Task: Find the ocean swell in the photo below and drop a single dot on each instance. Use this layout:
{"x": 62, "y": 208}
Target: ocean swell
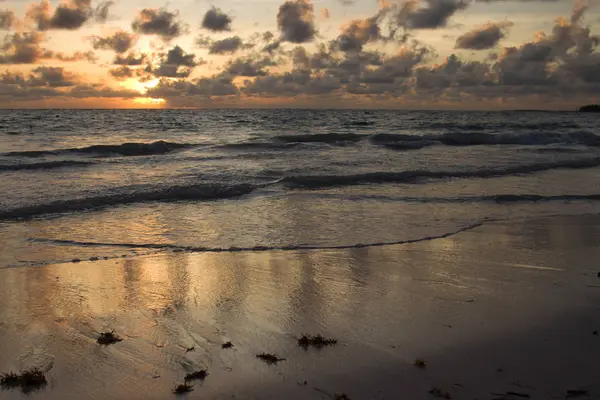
{"x": 43, "y": 165}
{"x": 488, "y": 139}
{"x": 124, "y": 149}
{"x": 323, "y": 181}
{"x": 174, "y": 193}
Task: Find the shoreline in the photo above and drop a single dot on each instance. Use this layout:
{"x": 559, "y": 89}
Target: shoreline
{"x": 520, "y": 296}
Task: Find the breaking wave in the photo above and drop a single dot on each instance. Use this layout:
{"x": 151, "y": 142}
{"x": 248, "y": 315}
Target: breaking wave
{"x": 124, "y": 149}
{"x": 174, "y": 193}
{"x": 44, "y": 165}
{"x": 323, "y": 181}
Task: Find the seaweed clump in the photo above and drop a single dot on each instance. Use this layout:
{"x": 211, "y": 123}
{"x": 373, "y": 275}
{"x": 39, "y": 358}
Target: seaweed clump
{"x": 436, "y": 392}
{"x": 183, "y": 388}
{"x": 28, "y": 381}
{"x": 196, "y": 375}
{"x": 107, "y": 338}
{"x": 269, "y": 358}
{"x": 227, "y": 345}
{"x": 318, "y": 341}
{"x": 420, "y": 363}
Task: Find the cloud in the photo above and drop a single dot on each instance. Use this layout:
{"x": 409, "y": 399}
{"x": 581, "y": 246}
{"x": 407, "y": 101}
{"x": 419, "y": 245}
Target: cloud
{"x": 160, "y": 22}
{"x": 7, "y": 19}
{"x": 125, "y": 72}
{"x": 358, "y": 33}
{"x": 218, "y": 85}
{"x": 296, "y": 21}
{"x": 102, "y": 11}
{"x": 428, "y": 14}
{"x": 130, "y": 59}
{"x": 176, "y": 63}
{"x": 22, "y": 48}
{"x": 26, "y": 48}
{"x": 216, "y": 20}
{"x": 69, "y": 15}
{"x": 52, "y": 82}
{"x": 227, "y": 46}
{"x": 119, "y": 42}
{"x": 483, "y": 37}
{"x": 249, "y": 66}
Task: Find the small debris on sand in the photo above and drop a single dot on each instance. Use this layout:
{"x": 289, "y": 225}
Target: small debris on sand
{"x": 190, "y": 349}
{"x": 420, "y": 363}
{"x": 318, "y": 341}
{"x": 107, "y": 338}
{"x": 340, "y": 396}
{"x": 269, "y": 358}
{"x": 94, "y": 259}
{"x": 76, "y": 260}
{"x": 595, "y": 333}
{"x": 196, "y": 375}
{"x": 436, "y": 392}
{"x": 28, "y": 381}
{"x": 512, "y": 395}
{"x": 227, "y": 345}
{"x": 571, "y": 394}
{"x": 181, "y": 389}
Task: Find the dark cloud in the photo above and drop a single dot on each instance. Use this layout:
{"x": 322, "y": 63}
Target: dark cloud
{"x": 160, "y": 22}
{"x": 428, "y": 14}
{"x": 125, "y": 72}
{"x": 69, "y": 15}
{"x": 296, "y": 21}
{"x": 292, "y": 84}
{"x": 52, "y": 82}
{"x": 22, "y": 48}
{"x": 27, "y": 48}
{"x": 176, "y": 63}
{"x": 88, "y": 56}
{"x": 119, "y": 42}
{"x": 358, "y": 33}
{"x": 216, "y": 20}
{"x": 483, "y": 37}
{"x": 226, "y": 46}
{"x": 130, "y": 59}
{"x": 103, "y": 10}
{"x": 7, "y": 19}
{"x": 219, "y": 85}
{"x": 249, "y": 66}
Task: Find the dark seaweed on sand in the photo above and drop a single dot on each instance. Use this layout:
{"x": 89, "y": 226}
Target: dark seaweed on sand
{"x": 318, "y": 341}
{"x": 227, "y": 345}
{"x": 196, "y": 375}
{"x": 420, "y": 363}
{"x": 107, "y": 338}
{"x": 181, "y": 389}
{"x": 437, "y": 392}
{"x": 340, "y": 396}
{"x": 269, "y": 358}
{"x": 571, "y": 394}
{"x": 28, "y": 381}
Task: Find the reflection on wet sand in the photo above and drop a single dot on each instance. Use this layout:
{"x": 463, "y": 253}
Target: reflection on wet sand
{"x": 459, "y": 299}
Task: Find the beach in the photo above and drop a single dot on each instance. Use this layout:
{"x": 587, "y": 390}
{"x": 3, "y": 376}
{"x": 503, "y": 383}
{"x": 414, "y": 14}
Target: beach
{"x": 505, "y": 310}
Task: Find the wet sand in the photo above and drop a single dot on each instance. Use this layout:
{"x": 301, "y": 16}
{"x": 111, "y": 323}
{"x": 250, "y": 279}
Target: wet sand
{"x": 506, "y": 309}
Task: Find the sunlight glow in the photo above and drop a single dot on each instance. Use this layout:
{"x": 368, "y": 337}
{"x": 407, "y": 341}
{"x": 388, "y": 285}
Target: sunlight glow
{"x": 142, "y": 87}
{"x": 148, "y": 100}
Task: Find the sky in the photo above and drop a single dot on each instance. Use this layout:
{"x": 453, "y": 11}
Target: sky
{"x": 399, "y": 54}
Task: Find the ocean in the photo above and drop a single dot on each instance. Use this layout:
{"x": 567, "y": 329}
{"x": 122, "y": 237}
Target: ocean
{"x": 95, "y": 184}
